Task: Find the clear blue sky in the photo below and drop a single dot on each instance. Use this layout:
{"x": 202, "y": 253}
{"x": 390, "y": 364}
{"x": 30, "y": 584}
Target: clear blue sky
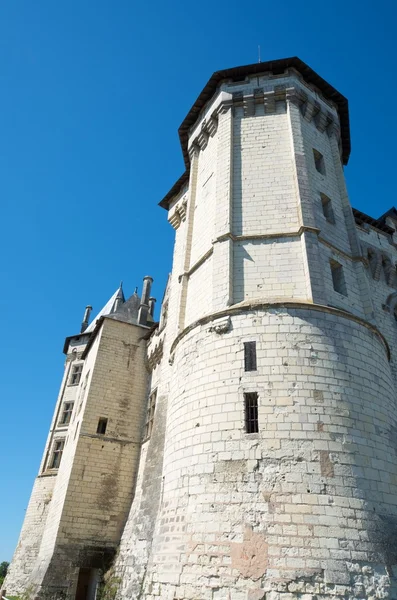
{"x": 91, "y": 95}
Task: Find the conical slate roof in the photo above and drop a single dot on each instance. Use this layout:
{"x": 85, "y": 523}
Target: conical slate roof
{"x": 109, "y": 307}
{"x": 128, "y": 311}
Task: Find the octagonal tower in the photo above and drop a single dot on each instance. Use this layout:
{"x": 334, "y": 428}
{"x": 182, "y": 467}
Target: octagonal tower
{"x": 270, "y": 470}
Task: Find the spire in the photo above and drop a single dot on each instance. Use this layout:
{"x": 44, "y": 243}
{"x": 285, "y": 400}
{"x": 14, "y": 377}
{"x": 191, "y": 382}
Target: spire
{"x": 119, "y": 298}
{"x": 114, "y": 303}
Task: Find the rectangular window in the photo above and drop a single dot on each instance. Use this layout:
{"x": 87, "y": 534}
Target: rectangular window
{"x": 327, "y": 208}
{"x": 76, "y": 374}
{"x": 251, "y": 412}
{"x": 102, "y": 425}
{"x": 249, "y": 356}
{"x": 151, "y": 408}
{"x": 66, "y": 413}
{"x": 56, "y": 456}
{"x": 338, "y": 277}
{"x": 319, "y": 161}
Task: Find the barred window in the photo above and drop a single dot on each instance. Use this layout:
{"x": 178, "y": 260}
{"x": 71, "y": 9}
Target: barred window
{"x": 56, "y": 456}
{"x": 76, "y": 374}
{"x": 249, "y": 356}
{"x": 151, "y": 408}
{"x": 66, "y": 413}
{"x": 251, "y": 412}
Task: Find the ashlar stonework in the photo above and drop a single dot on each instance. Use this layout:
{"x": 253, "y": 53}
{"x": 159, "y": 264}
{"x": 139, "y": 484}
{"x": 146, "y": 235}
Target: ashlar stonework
{"x": 244, "y": 447}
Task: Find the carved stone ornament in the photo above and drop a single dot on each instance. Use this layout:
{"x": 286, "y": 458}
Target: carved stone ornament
{"x": 220, "y": 325}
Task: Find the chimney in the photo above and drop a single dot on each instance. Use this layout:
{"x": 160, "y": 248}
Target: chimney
{"x": 86, "y": 318}
{"x": 144, "y": 306}
{"x": 152, "y": 303}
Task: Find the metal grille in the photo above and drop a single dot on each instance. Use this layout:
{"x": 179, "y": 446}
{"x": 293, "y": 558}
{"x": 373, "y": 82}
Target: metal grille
{"x": 251, "y": 412}
{"x": 249, "y": 356}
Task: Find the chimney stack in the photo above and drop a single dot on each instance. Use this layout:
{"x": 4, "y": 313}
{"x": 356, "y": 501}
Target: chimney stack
{"x": 86, "y": 318}
{"x": 144, "y": 306}
{"x": 152, "y": 303}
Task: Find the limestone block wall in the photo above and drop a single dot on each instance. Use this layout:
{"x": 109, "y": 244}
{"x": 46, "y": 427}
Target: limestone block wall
{"x": 378, "y": 247}
{"x": 26, "y": 552}
{"x": 307, "y": 505}
{"x": 41, "y": 501}
{"x": 96, "y": 479}
{"x": 251, "y": 222}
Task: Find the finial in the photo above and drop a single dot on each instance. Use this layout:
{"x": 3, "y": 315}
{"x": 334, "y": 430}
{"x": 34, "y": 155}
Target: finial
{"x": 136, "y": 290}
{"x": 259, "y": 54}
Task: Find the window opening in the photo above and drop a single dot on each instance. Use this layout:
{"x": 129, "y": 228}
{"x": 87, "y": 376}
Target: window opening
{"x": 57, "y": 454}
{"x": 319, "y": 161}
{"x": 76, "y": 374}
{"x": 249, "y": 356}
{"x": 251, "y": 412}
{"x": 67, "y": 413}
{"x": 151, "y": 407}
{"x": 338, "y": 278}
{"x": 102, "y": 425}
{"x": 327, "y": 208}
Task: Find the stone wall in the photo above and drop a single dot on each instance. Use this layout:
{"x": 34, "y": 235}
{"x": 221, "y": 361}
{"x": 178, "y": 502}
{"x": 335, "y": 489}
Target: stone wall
{"x": 305, "y": 505}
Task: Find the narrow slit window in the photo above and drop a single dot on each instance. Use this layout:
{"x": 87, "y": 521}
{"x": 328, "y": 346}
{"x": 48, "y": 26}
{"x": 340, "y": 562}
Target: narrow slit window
{"x": 151, "y": 408}
{"x": 76, "y": 374}
{"x": 251, "y": 412}
{"x": 66, "y": 413}
{"x": 319, "y": 161}
{"x": 102, "y": 425}
{"x": 56, "y": 456}
{"x": 327, "y": 208}
{"x": 338, "y": 278}
{"x": 249, "y": 356}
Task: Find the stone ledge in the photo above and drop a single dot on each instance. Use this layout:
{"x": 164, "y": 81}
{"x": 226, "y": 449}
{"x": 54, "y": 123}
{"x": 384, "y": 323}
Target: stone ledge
{"x": 243, "y": 307}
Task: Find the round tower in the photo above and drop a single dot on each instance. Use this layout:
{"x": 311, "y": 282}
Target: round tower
{"x": 279, "y": 476}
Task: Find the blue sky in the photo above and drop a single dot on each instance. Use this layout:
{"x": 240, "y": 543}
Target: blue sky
{"x": 92, "y": 94}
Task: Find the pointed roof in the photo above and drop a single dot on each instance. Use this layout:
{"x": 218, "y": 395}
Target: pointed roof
{"x": 128, "y": 311}
{"x": 108, "y": 308}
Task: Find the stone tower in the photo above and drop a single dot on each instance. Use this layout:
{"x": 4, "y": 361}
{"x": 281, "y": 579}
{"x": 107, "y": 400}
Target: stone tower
{"x": 271, "y": 470}
{"x": 84, "y": 489}
{"x": 250, "y": 444}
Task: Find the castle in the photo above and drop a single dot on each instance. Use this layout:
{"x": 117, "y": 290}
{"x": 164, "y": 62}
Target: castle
{"x": 244, "y": 447}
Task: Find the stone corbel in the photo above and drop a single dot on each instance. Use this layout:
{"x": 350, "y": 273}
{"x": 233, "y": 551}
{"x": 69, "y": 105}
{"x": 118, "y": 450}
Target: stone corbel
{"x": 202, "y": 138}
{"x": 182, "y": 209}
{"x": 178, "y": 214}
{"x": 313, "y": 109}
{"x": 221, "y": 325}
{"x": 175, "y": 219}
{"x": 212, "y": 125}
{"x": 249, "y": 106}
{"x": 194, "y": 150}
{"x": 269, "y": 101}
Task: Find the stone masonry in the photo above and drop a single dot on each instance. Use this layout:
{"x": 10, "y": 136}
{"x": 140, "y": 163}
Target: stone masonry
{"x": 250, "y": 450}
